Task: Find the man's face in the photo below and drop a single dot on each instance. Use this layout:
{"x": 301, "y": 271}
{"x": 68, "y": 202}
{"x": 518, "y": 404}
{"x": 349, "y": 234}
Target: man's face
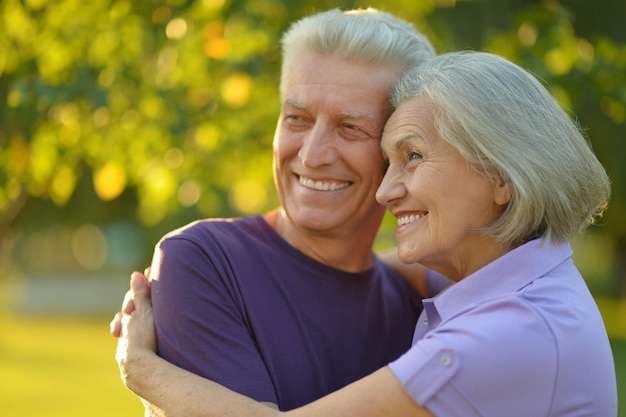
{"x": 327, "y": 158}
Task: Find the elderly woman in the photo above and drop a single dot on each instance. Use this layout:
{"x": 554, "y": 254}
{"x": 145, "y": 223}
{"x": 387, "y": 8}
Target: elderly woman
{"x": 489, "y": 180}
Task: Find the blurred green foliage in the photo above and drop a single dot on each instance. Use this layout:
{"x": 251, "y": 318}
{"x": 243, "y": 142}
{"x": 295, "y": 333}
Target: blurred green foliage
{"x": 121, "y": 119}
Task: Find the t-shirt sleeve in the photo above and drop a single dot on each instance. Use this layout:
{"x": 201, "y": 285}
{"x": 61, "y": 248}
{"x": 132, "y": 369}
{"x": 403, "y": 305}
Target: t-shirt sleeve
{"x": 200, "y": 320}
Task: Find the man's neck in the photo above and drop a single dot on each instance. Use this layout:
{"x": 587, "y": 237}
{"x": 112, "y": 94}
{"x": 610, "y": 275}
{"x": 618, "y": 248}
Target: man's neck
{"x": 351, "y": 253}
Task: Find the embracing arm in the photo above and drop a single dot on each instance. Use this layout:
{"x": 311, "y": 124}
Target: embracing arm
{"x": 185, "y": 292}
{"x": 427, "y": 283}
{"x": 180, "y": 393}
{"x": 165, "y": 389}
{"x": 128, "y": 306}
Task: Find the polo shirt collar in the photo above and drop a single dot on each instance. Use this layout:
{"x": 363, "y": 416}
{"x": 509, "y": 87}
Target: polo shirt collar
{"x": 507, "y": 274}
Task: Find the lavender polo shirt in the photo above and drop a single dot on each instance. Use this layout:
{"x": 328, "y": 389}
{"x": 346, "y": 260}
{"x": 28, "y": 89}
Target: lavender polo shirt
{"x": 520, "y": 337}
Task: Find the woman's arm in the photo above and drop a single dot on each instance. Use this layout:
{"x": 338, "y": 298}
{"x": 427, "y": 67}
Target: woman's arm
{"x": 175, "y": 391}
{"x": 180, "y": 393}
{"x": 414, "y": 274}
{"x": 426, "y": 282}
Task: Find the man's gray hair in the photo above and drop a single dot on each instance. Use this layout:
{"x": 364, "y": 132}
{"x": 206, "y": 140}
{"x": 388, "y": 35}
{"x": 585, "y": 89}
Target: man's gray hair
{"x": 363, "y": 35}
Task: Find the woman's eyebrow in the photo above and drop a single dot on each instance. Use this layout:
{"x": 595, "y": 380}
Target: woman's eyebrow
{"x": 410, "y": 137}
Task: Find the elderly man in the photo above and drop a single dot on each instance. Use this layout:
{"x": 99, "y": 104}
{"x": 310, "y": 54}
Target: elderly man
{"x": 292, "y": 305}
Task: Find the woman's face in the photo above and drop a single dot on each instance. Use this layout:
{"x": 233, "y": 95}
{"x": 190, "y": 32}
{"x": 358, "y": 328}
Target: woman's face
{"x": 438, "y": 198}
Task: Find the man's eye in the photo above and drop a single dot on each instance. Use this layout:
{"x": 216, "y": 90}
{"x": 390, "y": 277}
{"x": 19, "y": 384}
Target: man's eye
{"x": 296, "y": 120}
{"x": 355, "y": 132}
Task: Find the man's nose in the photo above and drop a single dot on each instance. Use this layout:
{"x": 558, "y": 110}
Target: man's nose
{"x": 319, "y": 146}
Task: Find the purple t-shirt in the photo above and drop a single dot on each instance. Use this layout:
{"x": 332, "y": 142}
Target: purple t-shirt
{"x": 520, "y": 337}
{"x": 235, "y": 303}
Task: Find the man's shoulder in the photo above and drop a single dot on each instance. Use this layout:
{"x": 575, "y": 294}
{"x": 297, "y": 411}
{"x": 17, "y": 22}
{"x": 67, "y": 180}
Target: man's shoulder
{"x": 222, "y": 229}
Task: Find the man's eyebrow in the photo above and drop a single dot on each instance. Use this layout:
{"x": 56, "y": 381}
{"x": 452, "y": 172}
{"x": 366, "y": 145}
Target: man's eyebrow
{"x": 296, "y": 104}
{"x": 343, "y": 115}
{"x": 355, "y": 115}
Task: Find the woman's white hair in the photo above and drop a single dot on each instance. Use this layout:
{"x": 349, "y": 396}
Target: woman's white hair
{"x": 502, "y": 120}
{"x": 363, "y": 35}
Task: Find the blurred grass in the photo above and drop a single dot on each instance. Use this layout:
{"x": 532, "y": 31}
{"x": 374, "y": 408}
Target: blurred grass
{"x": 60, "y": 367}
{"x": 65, "y": 367}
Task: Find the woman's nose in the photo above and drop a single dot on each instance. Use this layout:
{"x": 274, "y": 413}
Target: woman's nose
{"x": 391, "y": 188}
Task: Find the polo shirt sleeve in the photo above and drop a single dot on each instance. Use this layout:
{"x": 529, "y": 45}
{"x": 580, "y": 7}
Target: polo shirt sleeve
{"x": 494, "y": 359}
{"x": 426, "y": 368}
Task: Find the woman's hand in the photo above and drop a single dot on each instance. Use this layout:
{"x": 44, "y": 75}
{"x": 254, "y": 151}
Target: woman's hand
{"x": 134, "y": 326}
{"x": 128, "y": 305}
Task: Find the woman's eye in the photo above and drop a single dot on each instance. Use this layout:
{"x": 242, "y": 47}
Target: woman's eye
{"x": 413, "y": 156}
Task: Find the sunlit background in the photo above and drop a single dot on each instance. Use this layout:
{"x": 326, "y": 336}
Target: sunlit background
{"x": 121, "y": 120}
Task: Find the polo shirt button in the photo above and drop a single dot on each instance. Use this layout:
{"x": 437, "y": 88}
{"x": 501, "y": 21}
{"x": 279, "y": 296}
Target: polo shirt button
{"x": 425, "y": 321}
{"x": 445, "y": 360}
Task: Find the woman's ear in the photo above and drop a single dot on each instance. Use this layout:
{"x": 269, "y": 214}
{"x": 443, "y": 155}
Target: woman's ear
{"x": 502, "y": 191}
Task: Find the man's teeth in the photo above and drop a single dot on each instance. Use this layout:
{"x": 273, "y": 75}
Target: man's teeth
{"x": 409, "y": 219}
{"x": 321, "y": 185}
